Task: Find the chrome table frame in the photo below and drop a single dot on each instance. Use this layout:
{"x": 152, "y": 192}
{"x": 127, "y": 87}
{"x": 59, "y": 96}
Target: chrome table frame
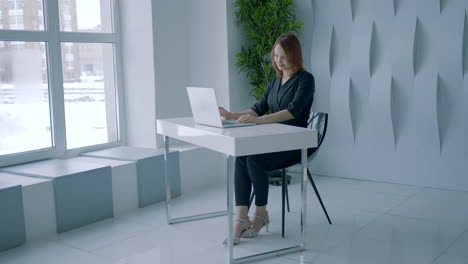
{"x": 171, "y": 220}
{"x": 230, "y": 199}
{"x": 235, "y": 143}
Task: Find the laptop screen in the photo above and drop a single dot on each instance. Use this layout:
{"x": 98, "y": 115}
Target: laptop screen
{"x": 204, "y": 106}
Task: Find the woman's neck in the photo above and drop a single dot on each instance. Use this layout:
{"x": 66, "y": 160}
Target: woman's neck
{"x": 287, "y": 74}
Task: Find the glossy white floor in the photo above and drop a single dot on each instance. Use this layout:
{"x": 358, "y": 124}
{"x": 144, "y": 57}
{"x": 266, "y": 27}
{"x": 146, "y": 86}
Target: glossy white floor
{"x": 372, "y": 223}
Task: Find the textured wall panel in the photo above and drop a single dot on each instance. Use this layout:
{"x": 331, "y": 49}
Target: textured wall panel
{"x": 443, "y": 5}
{"x": 341, "y": 39}
{"x": 424, "y": 8}
{"x": 332, "y": 49}
{"x": 466, "y": 115}
{"x": 356, "y": 107}
{"x": 398, "y": 90}
{"x": 307, "y": 29}
{"x": 425, "y": 128}
{"x": 343, "y": 14}
{"x": 321, "y": 50}
{"x": 465, "y": 44}
{"x": 315, "y": 7}
{"x": 340, "y": 123}
{"x": 402, "y": 42}
{"x": 381, "y": 42}
{"x": 393, "y": 112}
{"x": 352, "y": 7}
{"x": 327, "y": 12}
{"x": 380, "y": 111}
{"x": 440, "y": 96}
{"x": 450, "y": 67}
{"x": 382, "y": 9}
{"x": 420, "y": 48}
{"x": 360, "y": 73}
{"x": 374, "y": 50}
{"x": 396, "y": 5}
{"x": 465, "y": 79}
{"x": 335, "y": 55}
{"x": 320, "y": 65}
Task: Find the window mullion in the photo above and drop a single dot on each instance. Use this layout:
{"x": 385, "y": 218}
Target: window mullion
{"x": 119, "y": 76}
{"x": 88, "y": 37}
{"x": 56, "y": 76}
{"x": 23, "y": 35}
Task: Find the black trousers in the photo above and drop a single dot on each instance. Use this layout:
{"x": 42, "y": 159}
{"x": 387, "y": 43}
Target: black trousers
{"x": 253, "y": 171}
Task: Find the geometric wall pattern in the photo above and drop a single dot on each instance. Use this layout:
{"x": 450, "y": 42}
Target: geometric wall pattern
{"x": 393, "y": 75}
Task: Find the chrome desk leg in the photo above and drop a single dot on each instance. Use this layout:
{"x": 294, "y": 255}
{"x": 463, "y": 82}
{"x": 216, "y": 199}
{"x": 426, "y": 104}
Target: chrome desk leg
{"x": 171, "y": 220}
{"x": 167, "y": 178}
{"x": 304, "y": 197}
{"x": 283, "y": 251}
{"x": 230, "y": 192}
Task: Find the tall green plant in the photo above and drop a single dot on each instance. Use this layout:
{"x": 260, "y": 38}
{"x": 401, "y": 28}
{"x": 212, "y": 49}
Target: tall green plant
{"x": 264, "y": 21}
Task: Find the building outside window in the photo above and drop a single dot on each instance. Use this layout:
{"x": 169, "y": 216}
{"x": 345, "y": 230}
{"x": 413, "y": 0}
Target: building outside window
{"x": 15, "y": 4}
{"x": 57, "y": 95}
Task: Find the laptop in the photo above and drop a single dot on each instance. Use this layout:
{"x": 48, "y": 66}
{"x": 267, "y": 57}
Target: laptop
{"x": 205, "y": 108}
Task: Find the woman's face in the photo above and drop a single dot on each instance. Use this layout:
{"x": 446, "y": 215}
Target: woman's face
{"x": 281, "y": 59}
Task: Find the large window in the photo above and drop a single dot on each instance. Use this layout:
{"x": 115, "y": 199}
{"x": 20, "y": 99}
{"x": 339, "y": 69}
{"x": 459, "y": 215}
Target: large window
{"x": 58, "y": 72}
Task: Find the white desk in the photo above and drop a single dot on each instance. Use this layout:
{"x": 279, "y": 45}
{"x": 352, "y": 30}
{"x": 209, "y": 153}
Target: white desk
{"x": 236, "y": 142}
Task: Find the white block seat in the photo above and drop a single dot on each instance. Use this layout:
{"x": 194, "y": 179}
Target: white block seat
{"x": 37, "y": 202}
{"x": 150, "y": 171}
{"x": 124, "y": 183}
{"x": 12, "y": 228}
{"x": 82, "y": 190}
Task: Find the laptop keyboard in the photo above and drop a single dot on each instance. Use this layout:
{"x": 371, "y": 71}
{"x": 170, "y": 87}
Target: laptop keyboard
{"x": 229, "y": 122}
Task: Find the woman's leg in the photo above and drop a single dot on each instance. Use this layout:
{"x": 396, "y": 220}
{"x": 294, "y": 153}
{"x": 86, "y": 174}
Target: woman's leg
{"x": 243, "y": 223}
{"x": 258, "y": 167}
{"x": 242, "y": 182}
{"x": 243, "y": 187}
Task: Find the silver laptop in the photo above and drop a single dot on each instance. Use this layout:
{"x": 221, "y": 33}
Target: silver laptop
{"x": 205, "y": 108}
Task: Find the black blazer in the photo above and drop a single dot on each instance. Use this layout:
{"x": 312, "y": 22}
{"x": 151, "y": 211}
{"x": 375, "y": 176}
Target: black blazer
{"x": 296, "y": 96}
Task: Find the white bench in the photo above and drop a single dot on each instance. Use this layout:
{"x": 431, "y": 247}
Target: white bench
{"x": 150, "y": 171}
{"x": 82, "y": 190}
{"x": 38, "y": 204}
{"x": 124, "y": 183}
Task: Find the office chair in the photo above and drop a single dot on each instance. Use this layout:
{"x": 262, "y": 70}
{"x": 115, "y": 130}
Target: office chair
{"x": 319, "y": 122}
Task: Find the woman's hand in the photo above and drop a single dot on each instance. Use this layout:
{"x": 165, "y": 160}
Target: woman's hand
{"x": 225, "y": 113}
{"x": 248, "y": 119}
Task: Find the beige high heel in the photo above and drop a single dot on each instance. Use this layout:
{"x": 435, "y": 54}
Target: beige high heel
{"x": 246, "y": 226}
{"x": 251, "y": 232}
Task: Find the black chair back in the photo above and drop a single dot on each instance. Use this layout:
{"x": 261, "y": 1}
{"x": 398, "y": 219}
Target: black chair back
{"x": 319, "y": 122}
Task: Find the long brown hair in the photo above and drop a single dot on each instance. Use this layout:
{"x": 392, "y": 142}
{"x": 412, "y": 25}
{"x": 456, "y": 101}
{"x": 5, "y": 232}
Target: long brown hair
{"x": 292, "y": 48}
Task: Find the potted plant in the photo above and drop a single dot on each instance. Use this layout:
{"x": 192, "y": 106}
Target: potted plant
{"x": 263, "y": 21}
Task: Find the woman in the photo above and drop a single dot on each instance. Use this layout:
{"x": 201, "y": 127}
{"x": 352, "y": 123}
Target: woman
{"x": 288, "y": 97}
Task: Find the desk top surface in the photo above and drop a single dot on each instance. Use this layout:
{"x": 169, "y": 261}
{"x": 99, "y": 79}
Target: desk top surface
{"x": 239, "y": 141}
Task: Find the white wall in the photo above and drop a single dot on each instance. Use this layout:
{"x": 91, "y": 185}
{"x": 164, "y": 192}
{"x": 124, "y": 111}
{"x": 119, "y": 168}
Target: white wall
{"x": 171, "y": 58}
{"x": 208, "y": 58}
{"x": 167, "y": 46}
{"x": 393, "y": 77}
{"x": 138, "y": 72}
{"x": 239, "y": 87}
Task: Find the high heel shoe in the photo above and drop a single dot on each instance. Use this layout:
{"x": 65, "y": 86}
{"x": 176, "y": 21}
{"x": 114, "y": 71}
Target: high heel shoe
{"x": 251, "y": 232}
{"x": 246, "y": 226}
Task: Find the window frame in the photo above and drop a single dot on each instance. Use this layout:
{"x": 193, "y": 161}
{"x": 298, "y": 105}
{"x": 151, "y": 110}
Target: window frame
{"x": 53, "y": 38}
